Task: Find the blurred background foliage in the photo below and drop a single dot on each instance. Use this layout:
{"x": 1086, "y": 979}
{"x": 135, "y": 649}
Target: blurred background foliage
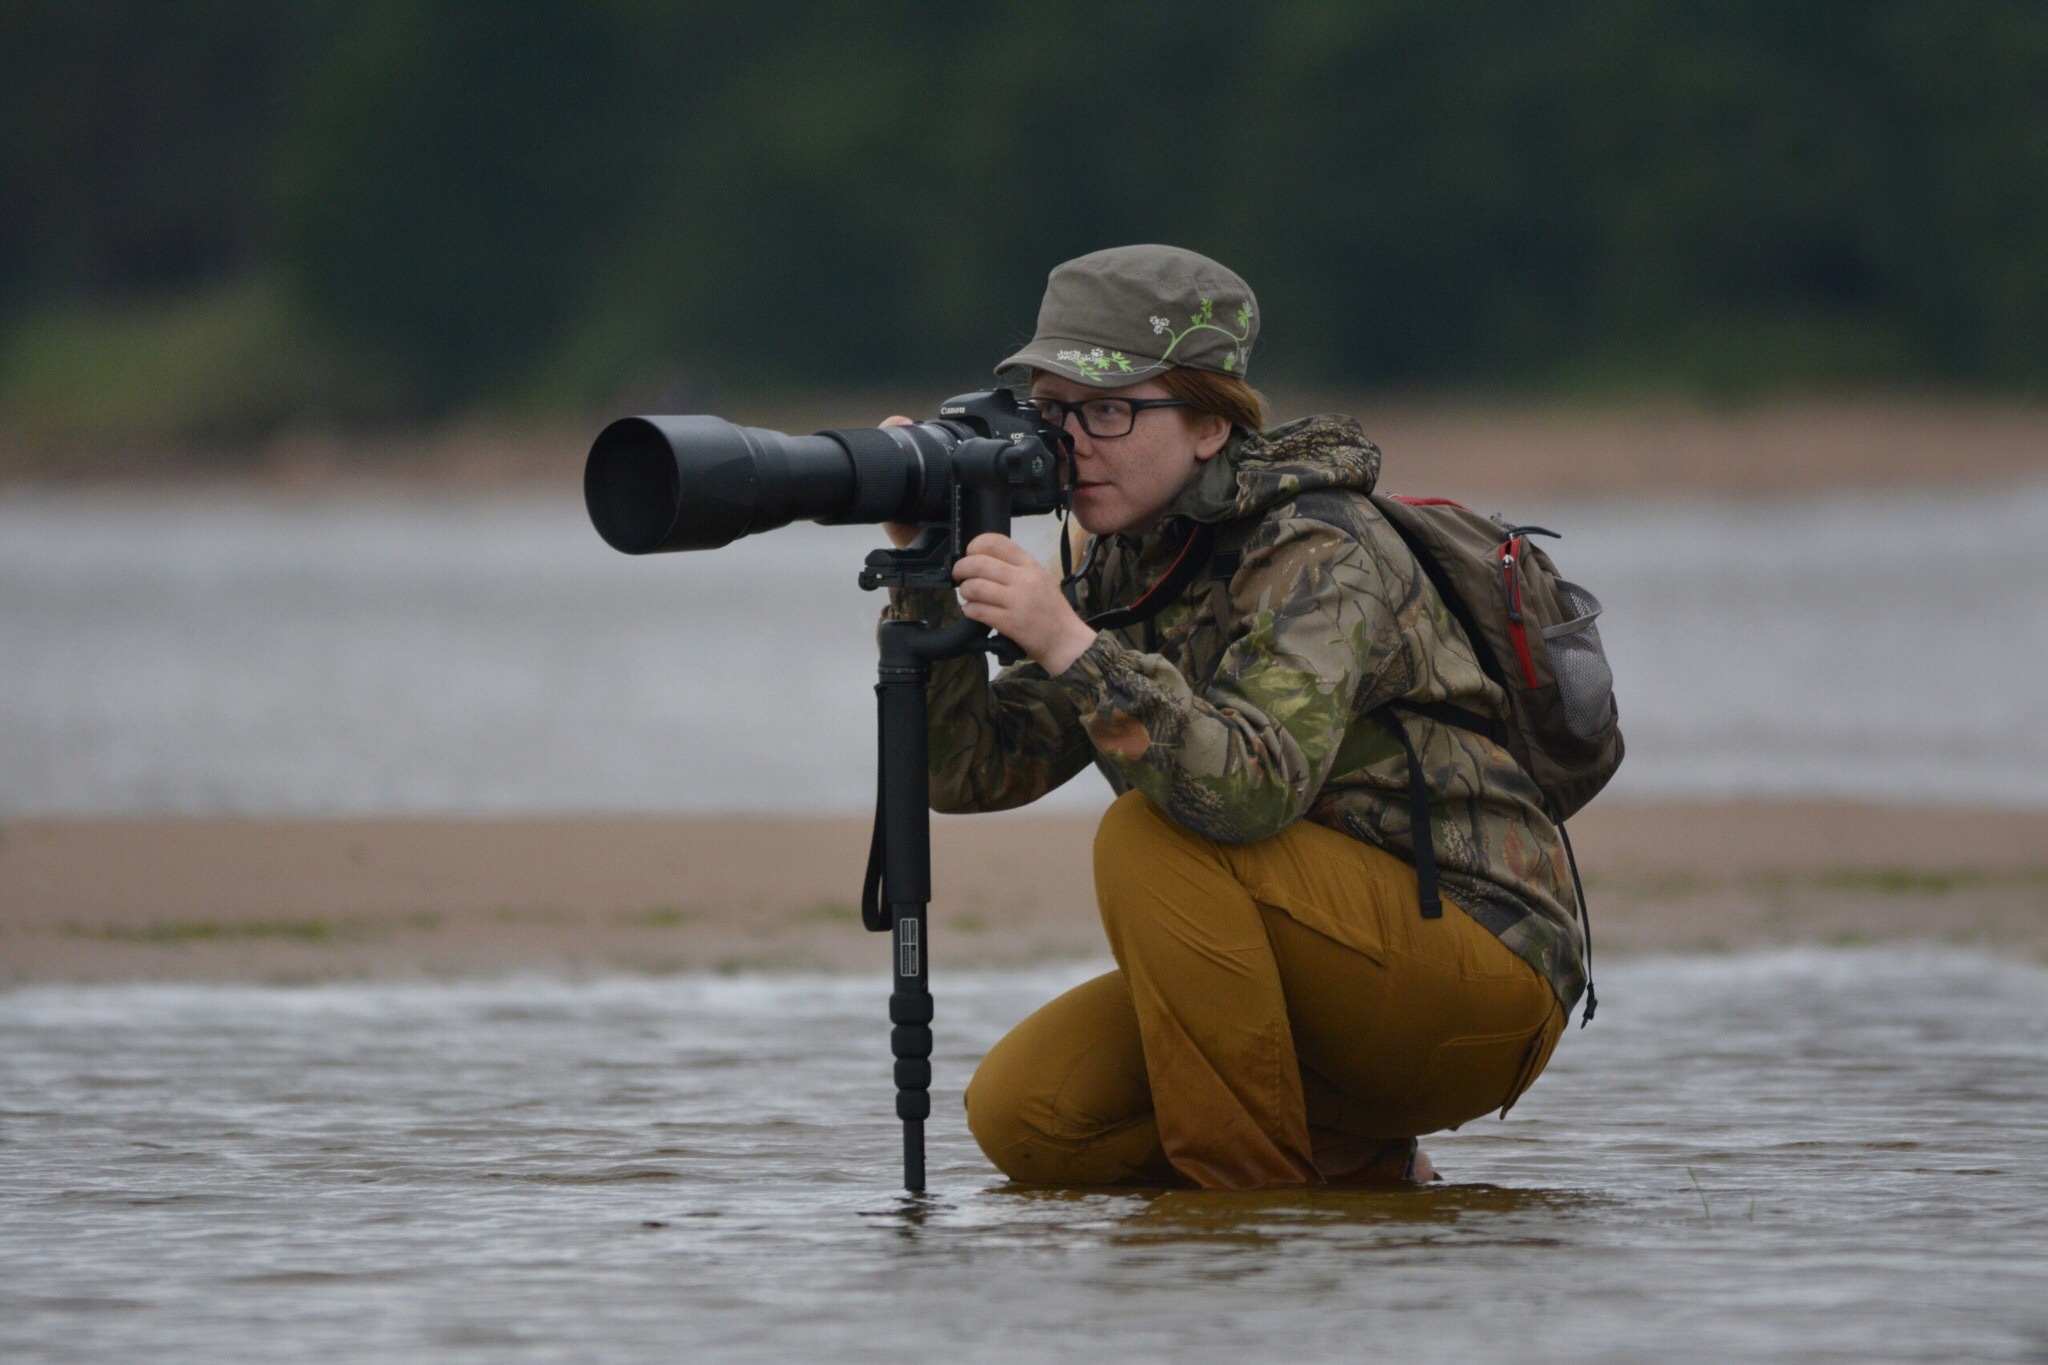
{"x": 220, "y": 217}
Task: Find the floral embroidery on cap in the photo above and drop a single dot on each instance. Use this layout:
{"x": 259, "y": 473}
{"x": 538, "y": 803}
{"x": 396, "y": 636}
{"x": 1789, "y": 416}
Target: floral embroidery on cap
{"x": 1101, "y": 363}
{"x": 1201, "y": 322}
{"x": 1096, "y": 363}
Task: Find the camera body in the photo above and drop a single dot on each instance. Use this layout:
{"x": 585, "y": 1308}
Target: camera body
{"x": 659, "y": 484}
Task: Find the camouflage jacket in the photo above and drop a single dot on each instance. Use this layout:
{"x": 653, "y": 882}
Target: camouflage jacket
{"x": 1238, "y": 727}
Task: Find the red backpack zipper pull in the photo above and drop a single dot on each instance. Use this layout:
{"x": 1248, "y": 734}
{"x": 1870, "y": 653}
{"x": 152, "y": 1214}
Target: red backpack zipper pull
{"x": 1511, "y": 584}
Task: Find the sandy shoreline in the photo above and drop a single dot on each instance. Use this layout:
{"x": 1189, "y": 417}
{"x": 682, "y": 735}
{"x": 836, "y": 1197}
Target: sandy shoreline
{"x": 176, "y": 899}
{"x": 1468, "y": 446}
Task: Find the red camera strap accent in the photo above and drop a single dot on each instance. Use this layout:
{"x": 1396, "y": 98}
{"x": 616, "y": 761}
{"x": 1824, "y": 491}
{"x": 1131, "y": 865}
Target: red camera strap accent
{"x": 1194, "y": 553}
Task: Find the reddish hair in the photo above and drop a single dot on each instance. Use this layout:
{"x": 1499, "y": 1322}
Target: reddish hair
{"x": 1219, "y": 395}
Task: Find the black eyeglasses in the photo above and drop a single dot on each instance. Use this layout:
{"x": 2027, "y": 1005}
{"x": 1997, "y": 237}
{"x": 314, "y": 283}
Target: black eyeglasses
{"x": 1103, "y": 418}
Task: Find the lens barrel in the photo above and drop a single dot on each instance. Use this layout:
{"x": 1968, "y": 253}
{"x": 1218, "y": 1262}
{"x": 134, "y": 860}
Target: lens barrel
{"x": 655, "y": 484}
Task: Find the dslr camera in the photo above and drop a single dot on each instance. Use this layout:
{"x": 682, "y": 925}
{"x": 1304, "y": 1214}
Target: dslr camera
{"x": 655, "y": 484}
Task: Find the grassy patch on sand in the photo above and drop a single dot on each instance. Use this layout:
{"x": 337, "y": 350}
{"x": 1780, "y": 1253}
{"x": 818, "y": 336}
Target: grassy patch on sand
{"x": 827, "y": 912}
{"x": 657, "y": 917}
{"x": 212, "y": 931}
{"x": 312, "y": 929}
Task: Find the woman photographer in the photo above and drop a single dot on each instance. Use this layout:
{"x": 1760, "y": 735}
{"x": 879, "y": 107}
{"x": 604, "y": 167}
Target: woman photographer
{"x": 1281, "y": 1013}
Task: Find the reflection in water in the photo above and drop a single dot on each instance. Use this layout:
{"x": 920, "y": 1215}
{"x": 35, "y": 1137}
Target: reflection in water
{"x": 1263, "y": 1217}
{"x": 911, "y": 1212}
{"x": 1278, "y": 1214}
{"x": 1773, "y": 1156}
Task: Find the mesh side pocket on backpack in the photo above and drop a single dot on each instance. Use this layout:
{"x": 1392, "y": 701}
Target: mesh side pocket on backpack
{"x": 1584, "y": 681}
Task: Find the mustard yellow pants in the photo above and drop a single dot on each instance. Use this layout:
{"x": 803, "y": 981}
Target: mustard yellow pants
{"x": 1281, "y": 1014}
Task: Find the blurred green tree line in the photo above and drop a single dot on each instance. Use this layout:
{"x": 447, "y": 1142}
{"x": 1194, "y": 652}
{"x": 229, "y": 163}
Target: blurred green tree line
{"x": 243, "y": 211}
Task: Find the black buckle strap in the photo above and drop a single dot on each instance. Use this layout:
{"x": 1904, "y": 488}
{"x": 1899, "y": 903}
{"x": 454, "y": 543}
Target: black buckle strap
{"x": 1418, "y": 813}
{"x": 1443, "y": 713}
{"x": 1585, "y": 923}
{"x": 1388, "y": 718}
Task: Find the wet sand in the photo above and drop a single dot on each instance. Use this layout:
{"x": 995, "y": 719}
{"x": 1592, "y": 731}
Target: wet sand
{"x": 267, "y": 900}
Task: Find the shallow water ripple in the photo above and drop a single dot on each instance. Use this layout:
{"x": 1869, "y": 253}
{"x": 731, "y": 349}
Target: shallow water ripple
{"x": 1811, "y": 1155}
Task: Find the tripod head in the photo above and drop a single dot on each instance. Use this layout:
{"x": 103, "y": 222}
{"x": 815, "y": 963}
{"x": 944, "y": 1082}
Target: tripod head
{"x": 991, "y": 476}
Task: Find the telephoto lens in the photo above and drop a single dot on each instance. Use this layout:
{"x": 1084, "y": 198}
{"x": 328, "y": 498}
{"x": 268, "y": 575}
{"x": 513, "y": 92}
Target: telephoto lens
{"x": 656, "y": 484}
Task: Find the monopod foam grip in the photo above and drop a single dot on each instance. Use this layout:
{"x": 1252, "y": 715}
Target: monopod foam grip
{"x": 907, "y": 1007}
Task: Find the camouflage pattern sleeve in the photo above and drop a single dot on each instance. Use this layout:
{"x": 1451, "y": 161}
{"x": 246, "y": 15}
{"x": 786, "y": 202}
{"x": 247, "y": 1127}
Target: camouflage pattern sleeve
{"x": 995, "y": 743}
{"x": 1239, "y": 757}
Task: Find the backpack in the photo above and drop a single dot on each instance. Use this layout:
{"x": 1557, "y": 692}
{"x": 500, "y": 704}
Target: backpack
{"x": 1534, "y": 635}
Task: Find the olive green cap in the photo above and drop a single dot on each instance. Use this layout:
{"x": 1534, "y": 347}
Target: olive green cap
{"x": 1131, "y": 313}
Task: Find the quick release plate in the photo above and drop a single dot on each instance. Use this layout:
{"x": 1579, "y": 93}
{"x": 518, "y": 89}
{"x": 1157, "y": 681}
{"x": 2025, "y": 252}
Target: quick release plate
{"x": 926, "y": 562}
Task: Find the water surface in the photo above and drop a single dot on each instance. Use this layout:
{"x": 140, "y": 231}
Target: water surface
{"x": 268, "y": 656}
{"x": 1803, "y": 1156}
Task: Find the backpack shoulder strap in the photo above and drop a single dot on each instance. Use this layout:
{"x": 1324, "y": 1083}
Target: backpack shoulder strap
{"x": 1440, "y": 579}
{"x": 1225, "y": 558}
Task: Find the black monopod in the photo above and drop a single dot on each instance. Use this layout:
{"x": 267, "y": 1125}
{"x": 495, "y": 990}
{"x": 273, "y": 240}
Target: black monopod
{"x": 898, "y": 888}
{"x": 655, "y": 484}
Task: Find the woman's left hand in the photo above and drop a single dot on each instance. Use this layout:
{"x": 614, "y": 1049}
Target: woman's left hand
{"x": 1007, "y": 590}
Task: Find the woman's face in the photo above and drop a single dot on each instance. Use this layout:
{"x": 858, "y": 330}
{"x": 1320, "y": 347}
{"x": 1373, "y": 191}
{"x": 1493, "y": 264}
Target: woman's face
{"x": 1123, "y": 483}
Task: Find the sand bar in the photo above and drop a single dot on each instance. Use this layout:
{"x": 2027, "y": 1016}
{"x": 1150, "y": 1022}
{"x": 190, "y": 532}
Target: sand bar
{"x": 1473, "y": 447}
{"x": 171, "y": 899}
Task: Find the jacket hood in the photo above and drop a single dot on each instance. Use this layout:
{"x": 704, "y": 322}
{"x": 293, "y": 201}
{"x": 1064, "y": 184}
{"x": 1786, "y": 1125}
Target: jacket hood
{"x": 1260, "y": 471}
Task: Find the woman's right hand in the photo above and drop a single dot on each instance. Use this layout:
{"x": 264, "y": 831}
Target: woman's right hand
{"x": 901, "y": 532}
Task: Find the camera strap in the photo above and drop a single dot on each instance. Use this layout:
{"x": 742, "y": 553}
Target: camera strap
{"x": 1194, "y": 555}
